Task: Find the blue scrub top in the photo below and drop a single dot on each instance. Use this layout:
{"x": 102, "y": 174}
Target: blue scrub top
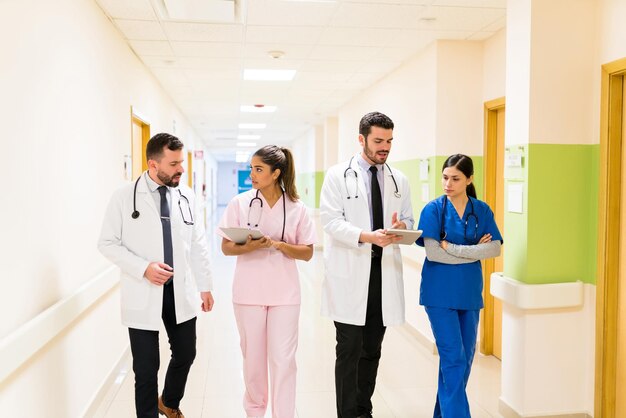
{"x": 455, "y": 286}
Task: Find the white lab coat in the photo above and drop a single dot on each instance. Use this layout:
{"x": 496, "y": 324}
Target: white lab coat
{"x": 347, "y": 262}
{"x": 132, "y": 244}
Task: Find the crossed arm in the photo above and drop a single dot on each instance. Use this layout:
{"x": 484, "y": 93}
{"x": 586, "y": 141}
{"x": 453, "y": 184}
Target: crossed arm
{"x": 447, "y": 253}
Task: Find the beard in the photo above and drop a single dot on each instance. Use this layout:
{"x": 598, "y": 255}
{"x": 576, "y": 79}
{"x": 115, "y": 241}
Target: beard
{"x": 170, "y": 181}
{"x": 377, "y": 159}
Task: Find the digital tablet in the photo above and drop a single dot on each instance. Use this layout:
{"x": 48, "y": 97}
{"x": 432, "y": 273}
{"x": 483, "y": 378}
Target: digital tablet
{"x": 408, "y": 235}
{"x": 240, "y": 235}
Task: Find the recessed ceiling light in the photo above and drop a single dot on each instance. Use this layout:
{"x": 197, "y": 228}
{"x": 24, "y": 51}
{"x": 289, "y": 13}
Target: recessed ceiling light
{"x": 258, "y": 108}
{"x": 276, "y": 54}
{"x": 246, "y": 144}
{"x": 268, "y": 75}
{"x": 252, "y": 125}
{"x": 248, "y": 136}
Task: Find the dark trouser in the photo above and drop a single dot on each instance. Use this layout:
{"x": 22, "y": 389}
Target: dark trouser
{"x": 144, "y": 346}
{"x": 358, "y": 353}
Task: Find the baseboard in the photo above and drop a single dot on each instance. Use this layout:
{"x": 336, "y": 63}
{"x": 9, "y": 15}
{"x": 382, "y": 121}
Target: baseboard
{"x": 420, "y": 338}
{"x": 107, "y": 387}
{"x": 508, "y": 411}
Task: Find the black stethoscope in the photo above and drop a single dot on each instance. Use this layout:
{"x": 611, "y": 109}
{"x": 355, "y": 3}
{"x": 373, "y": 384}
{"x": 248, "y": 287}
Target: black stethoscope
{"x": 181, "y": 196}
{"x": 349, "y": 170}
{"x": 443, "y": 234}
{"x": 282, "y": 237}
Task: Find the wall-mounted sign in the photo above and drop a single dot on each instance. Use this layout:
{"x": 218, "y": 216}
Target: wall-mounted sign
{"x": 516, "y": 197}
{"x": 513, "y": 160}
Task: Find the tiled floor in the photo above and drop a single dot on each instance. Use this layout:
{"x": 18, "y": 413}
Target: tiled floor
{"x": 406, "y": 382}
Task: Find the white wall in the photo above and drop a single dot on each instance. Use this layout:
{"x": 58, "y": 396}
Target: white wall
{"x": 518, "y": 72}
{"x": 68, "y": 81}
{"x": 305, "y": 149}
{"x": 408, "y": 96}
{"x": 435, "y": 101}
{"x": 561, "y": 84}
{"x": 610, "y": 35}
{"x": 459, "y": 107}
{"x": 494, "y": 66}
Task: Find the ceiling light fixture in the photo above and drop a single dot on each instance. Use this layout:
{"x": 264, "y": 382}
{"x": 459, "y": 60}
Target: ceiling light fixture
{"x": 276, "y": 54}
{"x": 248, "y": 136}
{"x": 268, "y": 75}
{"x": 246, "y": 144}
{"x": 252, "y": 125}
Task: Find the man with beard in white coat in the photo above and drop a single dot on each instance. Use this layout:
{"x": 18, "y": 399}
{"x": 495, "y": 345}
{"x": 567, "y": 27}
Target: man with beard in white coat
{"x": 363, "y": 290}
{"x": 150, "y": 233}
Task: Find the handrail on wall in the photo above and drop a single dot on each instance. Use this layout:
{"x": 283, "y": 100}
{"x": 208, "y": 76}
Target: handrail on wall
{"x": 23, "y": 343}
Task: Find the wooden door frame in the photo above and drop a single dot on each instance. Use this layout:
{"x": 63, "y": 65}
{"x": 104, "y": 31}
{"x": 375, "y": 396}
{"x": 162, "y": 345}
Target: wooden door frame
{"x": 490, "y": 159}
{"x": 145, "y": 135}
{"x": 611, "y": 124}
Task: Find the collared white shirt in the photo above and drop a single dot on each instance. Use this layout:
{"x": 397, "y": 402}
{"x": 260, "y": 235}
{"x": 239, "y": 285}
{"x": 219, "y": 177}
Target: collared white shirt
{"x": 154, "y": 191}
{"x": 367, "y": 179}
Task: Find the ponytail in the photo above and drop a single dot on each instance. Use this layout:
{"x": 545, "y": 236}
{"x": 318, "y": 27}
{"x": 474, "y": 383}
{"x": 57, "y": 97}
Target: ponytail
{"x": 289, "y": 176}
{"x": 471, "y": 190}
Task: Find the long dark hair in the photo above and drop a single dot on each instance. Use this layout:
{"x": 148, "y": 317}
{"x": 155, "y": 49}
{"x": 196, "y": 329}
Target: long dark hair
{"x": 281, "y": 158}
{"x": 465, "y": 165}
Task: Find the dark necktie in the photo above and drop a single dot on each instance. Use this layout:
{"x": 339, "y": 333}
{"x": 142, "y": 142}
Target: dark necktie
{"x": 168, "y": 253}
{"x": 377, "y": 209}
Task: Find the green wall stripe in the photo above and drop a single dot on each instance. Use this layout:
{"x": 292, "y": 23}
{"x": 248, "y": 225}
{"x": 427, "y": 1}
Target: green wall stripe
{"x": 562, "y": 213}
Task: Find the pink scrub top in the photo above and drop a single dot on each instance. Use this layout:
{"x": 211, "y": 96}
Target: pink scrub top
{"x": 266, "y": 276}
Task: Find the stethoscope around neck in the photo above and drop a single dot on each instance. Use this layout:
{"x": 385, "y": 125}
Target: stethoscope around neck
{"x": 181, "y": 196}
{"x": 349, "y": 170}
{"x": 443, "y": 234}
{"x": 256, "y": 225}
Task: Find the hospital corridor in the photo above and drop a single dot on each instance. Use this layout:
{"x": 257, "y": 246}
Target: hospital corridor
{"x": 313, "y": 208}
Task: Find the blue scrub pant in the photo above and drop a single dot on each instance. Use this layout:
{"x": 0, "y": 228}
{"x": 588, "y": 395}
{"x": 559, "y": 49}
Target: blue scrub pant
{"x": 455, "y": 335}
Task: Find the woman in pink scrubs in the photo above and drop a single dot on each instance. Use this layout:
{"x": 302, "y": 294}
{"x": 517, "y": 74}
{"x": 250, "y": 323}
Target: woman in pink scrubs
{"x": 266, "y": 288}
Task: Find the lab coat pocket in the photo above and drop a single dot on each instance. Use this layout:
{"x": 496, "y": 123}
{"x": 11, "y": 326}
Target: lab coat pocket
{"x": 134, "y": 293}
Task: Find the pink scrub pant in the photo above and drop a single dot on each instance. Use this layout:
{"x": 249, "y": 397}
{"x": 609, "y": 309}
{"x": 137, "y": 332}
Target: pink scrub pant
{"x": 269, "y": 336}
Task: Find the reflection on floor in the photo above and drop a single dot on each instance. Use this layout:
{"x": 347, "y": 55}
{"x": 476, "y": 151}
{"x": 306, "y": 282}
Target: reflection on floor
{"x": 406, "y": 382}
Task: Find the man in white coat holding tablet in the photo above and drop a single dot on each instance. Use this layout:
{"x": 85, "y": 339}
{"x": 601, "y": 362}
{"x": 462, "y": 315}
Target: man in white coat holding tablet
{"x": 150, "y": 233}
{"x": 363, "y": 290}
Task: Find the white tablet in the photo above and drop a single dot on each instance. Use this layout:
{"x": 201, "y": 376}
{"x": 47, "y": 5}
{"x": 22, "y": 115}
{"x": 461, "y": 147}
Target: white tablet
{"x": 408, "y": 235}
{"x": 240, "y": 235}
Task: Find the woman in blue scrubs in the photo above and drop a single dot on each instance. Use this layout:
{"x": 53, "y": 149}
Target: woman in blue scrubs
{"x": 458, "y": 231}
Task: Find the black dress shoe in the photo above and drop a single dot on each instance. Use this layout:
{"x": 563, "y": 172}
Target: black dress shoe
{"x": 365, "y": 416}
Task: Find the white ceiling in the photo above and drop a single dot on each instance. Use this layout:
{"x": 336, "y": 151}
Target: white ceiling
{"x": 337, "y": 47}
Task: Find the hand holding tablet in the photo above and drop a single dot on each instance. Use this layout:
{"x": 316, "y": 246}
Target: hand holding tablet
{"x": 240, "y": 235}
{"x": 408, "y": 235}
